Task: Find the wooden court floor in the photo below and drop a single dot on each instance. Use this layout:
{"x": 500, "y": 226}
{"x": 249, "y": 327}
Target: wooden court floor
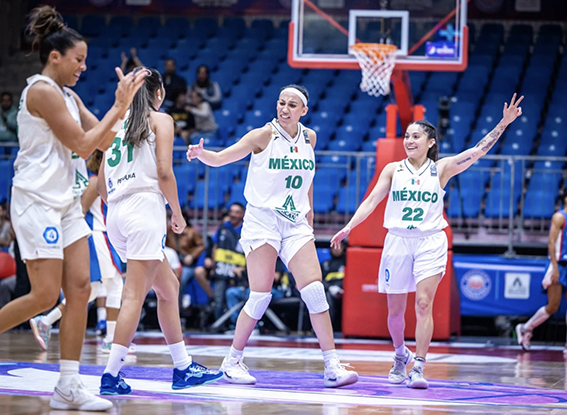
{"x": 464, "y": 378}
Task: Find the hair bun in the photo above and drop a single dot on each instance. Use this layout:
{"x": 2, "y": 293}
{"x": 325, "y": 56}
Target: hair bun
{"x": 45, "y": 20}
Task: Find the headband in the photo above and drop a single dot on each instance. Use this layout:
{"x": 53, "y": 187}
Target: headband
{"x": 296, "y": 92}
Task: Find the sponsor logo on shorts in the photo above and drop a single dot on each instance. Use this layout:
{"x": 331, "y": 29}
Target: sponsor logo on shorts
{"x": 387, "y": 273}
{"x": 476, "y": 284}
{"x": 51, "y": 235}
{"x": 288, "y": 210}
{"x": 163, "y": 242}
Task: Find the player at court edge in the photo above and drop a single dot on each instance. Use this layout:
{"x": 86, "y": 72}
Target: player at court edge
{"x": 279, "y": 221}
{"x": 414, "y": 257}
{"x": 48, "y": 221}
{"x": 136, "y": 180}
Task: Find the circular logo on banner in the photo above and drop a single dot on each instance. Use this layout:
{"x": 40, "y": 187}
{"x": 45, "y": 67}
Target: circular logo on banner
{"x": 476, "y": 284}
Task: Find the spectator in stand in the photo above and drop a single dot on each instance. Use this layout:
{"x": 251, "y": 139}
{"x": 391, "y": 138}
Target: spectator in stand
{"x": 130, "y": 62}
{"x": 205, "y": 124}
{"x": 182, "y": 116}
{"x": 173, "y": 83}
{"x": 333, "y": 275}
{"x": 6, "y": 231}
{"x": 8, "y": 114}
{"x": 210, "y": 90}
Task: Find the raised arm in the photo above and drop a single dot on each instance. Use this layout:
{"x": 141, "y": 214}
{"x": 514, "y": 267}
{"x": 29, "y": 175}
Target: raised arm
{"x": 254, "y": 141}
{"x": 378, "y": 194}
{"x": 162, "y": 125}
{"x": 45, "y": 102}
{"x": 451, "y": 166}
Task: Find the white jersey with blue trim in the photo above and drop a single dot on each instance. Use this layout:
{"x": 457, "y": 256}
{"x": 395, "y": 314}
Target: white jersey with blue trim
{"x": 415, "y": 201}
{"x": 280, "y": 176}
{"x": 43, "y": 168}
{"x": 129, "y": 169}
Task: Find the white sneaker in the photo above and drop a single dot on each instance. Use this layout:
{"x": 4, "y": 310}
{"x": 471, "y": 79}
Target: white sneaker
{"x": 75, "y": 396}
{"x": 416, "y": 379}
{"x": 398, "y": 372}
{"x": 336, "y": 374}
{"x": 236, "y": 372}
{"x": 524, "y": 337}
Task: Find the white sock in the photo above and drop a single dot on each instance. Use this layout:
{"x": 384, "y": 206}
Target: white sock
{"x": 52, "y": 316}
{"x": 401, "y": 350}
{"x": 539, "y": 317}
{"x": 181, "y": 360}
{"x": 67, "y": 370}
{"x": 116, "y": 359}
{"x": 101, "y": 313}
{"x": 330, "y": 354}
{"x": 110, "y": 328}
{"x": 235, "y": 353}
{"x": 419, "y": 362}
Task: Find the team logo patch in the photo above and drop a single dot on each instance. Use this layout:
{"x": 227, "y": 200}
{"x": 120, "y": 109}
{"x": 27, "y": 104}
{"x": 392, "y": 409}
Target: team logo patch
{"x": 433, "y": 170}
{"x": 288, "y": 210}
{"x": 387, "y": 274}
{"x": 400, "y": 168}
{"x": 306, "y": 137}
{"x": 476, "y": 284}
{"x": 51, "y": 235}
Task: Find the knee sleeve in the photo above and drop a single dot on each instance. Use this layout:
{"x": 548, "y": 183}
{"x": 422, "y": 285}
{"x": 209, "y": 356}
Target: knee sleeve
{"x": 313, "y": 295}
{"x": 113, "y": 291}
{"x": 94, "y": 290}
{"x": 257, "y": 304}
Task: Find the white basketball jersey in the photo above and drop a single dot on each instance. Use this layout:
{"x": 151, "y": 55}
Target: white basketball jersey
{"x": 280, "y": 176}
{"x": 415, "y": 201}
{"x": 129, "y": 169}
{"x": 43, "y": 168}
{"x": 81, "y": 178}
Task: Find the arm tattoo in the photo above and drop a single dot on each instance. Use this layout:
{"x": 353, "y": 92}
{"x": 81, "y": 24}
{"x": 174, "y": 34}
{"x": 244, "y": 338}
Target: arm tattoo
{"x": 489, "y": 140}
{"x": 463, "y": 161}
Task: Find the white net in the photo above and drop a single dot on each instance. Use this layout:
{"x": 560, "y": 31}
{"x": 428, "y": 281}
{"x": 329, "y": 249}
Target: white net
{"x": 377, "y": 62}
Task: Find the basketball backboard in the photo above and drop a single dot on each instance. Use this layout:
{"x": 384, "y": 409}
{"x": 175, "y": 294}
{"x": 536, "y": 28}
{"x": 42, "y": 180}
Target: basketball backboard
{"x": 431, "y": 35}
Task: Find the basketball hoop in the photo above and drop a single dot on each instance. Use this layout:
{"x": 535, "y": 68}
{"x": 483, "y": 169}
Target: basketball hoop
{"x": 377, "y": 62}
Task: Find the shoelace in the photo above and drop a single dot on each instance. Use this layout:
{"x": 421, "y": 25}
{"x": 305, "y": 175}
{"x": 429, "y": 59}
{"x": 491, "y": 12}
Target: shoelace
{"x": 121, "y": 381}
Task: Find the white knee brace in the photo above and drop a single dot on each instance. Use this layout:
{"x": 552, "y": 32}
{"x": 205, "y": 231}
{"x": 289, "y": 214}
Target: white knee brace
{"x": 314, "y": 297}
{"x": 113, "y": 287}
{"x": 257, "y": 304}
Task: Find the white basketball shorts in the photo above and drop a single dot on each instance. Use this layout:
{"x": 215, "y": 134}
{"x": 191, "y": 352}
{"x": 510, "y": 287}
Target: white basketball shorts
{"x": 263, "y": 225}
{"x": 407, "y": 261}
{"x": 136, "y": 226}
{"x": 42, "y": 231}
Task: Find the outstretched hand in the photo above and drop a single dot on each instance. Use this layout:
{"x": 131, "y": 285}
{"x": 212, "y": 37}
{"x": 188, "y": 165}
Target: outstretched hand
{"x": 339, "y": 236}
{"x": 195, "y": 151}
{"x": 513, "y": 111}
{"x": 127, "y": 87}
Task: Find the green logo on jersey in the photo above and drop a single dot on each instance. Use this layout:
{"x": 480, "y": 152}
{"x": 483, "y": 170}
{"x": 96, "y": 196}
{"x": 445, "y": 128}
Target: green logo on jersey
{"x": 81, "y": 182}
{"x": 288, "y": 209}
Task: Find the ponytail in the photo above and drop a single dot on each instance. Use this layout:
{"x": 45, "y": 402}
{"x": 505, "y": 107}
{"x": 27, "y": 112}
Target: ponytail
{"x": 138, "y": 129}
{"x": 50, "y": 32}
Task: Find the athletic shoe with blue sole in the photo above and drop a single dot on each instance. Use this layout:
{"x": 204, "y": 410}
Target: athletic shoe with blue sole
{"x": 114, "y": 385}
{"x": 194, "y": 375}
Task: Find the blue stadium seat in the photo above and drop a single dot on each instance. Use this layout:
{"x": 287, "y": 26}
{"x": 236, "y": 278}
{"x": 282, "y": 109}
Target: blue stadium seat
{"x": 544, "y": 180}
{"x": 539, "y": 204}
{"x": 206, "y": 25}
{"x": 498, "y": 204}
{"x": 223, "y": 177}
{"x": 92, "y": 24}
{"x": 454, "y": 209}
{"x": 6, "y": 174}
{"x": 323, "y": 198}
{"x": 346, "y": 202}
{"x": 328, "y": 176}
{"x": 265, "y": 27}
{"x": 215, "y": 197}
{"x": 557, "y": 149}
{"x": 237, "y": 194}
{"x": 236, "y": 25}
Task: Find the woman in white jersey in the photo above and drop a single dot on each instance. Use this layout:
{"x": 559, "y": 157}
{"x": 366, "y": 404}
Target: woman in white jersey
{"x": 49, "y": 224}
{"x": 136, "y": 180}
{"x": 415, "y": 250}
{"x": 104, "y": 262}
{"x": 278, "y": 221}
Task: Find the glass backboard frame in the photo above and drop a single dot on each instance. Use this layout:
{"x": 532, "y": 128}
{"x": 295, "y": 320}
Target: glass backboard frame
{"x": 298, "y": 59}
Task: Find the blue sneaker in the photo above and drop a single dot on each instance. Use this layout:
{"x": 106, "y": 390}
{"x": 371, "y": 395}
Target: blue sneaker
{"x": 194, "y": 375}
{"x": 114, "y": 385}
{"x": 101, "y": 328}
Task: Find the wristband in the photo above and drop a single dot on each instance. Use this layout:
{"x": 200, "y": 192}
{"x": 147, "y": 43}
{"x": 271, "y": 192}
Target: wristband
{"x": 118, "y": 126}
